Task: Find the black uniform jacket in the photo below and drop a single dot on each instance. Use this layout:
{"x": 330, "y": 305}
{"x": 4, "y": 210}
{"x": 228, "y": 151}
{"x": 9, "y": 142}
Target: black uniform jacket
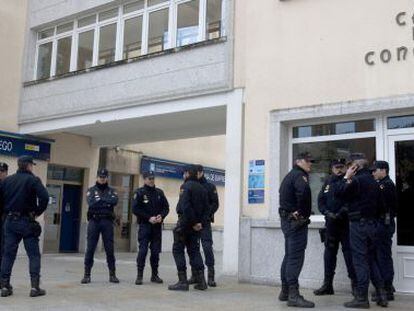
{"x": 23, "y": 193}
{"x": 362, "y": 193}
{"x": 295, "y": 193}
{"x": 328, "y": 200}
{"x": 101, "y": 200}
{"x": 389, "y": 196}
{"x": 213, "y": 198}
{"x": 192, "y": 207}
{"x": 149, "y": 202}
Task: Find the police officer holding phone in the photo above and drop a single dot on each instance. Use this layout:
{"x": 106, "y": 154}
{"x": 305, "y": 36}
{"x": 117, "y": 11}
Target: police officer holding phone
{"x": 24, "y": 199}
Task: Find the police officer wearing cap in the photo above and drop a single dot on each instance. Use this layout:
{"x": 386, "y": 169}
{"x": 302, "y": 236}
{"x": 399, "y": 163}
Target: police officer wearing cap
{"x": 362, "y": 195}
{"x": 24, "y": 199}
{"x": 380, "y": 171}
{"x": 206, "y": 235}
{"x": 193, "y": 210}
{"x": 101, "y": 200}
{"x": 337, "y": 228}
{"x": 4, "y": 169}
{"x": 295, "y": 210}
{"x": 151, "y": 207}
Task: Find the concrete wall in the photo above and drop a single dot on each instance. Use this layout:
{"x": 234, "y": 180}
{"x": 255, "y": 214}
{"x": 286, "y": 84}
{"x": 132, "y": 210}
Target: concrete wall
{"x": 12, "y": 30}
{"x": 193, "y": 71}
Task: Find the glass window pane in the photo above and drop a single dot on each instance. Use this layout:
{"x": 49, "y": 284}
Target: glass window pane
{"x": 108, "y": 14}
{"x": 334, "y": 128}
{"x": 86, "y": 21}
{"x": 324, "y": 152}
{"x": 44, "y": 60}
{"x": 134, "y": 6}
{"x": 132, "y": 37}
{"x": 213, "y": 19}
{"x": 107, "y": 40}
{"x": 64, "y": 28}
{"x": 187, "y": 22}
{"x": 155, "y": 2}
{"x": 85, "y": 49}
{"x": 46, "y": 33}
{"x": 64, "y": 47}
{"x": 158, "y": 31}
{"x": 400, "y": 122}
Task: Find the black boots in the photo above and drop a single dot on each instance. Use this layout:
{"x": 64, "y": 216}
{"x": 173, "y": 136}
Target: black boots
{"x": 381, "y": 297}
{"x": 87, "y": 276}
{"x": 140, "y": 276}
{"x": 326, "y": 289}
{"x": 390, "y": 290}
{"x": 6, "y": 288}
{"x": 210, "y": 278}
{"x": 36, "y": 291}
{"x": 182, "y": 284}
{"x": 155, "y": 278}
{"x": 354, "y": 288}
{"x": 112, "y": 277}
{"x": 192, "y": 280}
{"x": 296, "y": 300}
{"x": 284, "y": 293}
{"x": 359, "y": 302}
{"x": 201, "y": 281}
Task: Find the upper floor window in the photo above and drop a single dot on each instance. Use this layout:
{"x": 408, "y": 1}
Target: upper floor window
{"x": 133, "y": 29}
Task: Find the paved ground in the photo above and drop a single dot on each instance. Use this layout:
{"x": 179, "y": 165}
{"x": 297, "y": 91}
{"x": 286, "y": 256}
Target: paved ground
{"x": 62, "y": 274}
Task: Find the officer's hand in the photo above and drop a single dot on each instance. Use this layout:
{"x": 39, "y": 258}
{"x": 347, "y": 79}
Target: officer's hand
{"x": 295, "y": 215}
{"x": 197, "y": 227}
{"x": 159, "y": 219}
{"x": 153, "y": 220}
{"x": 351, "y": 171}
{"x": 331, "y": 216}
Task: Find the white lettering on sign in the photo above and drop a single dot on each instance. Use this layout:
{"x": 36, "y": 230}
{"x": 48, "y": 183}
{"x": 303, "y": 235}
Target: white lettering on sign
{"x": 6, "y": 145}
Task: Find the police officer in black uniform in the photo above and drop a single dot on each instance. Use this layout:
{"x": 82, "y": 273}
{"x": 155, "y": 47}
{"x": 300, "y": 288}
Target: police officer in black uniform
{"x": 24, "y": 198}
{"x": 193, "y": 210}
{"x": 362, "y": 195}
{"x": 206, "y": 234}
{"x": 151, "y": 207}
{"x": 101, "y": 200}
{"x": 386, "y": 225}
{"x": 337, "y": 228}
{"x": 4, "y": 169}
{"x": 295, "y": 210}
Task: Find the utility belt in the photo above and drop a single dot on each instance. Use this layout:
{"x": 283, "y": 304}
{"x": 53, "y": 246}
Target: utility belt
{"x": 34, "y": 226}
{"x": 357, "y": 217}
{"x": 296, "y": 222}
{"x": 386, "y": 218}
{"x": 19, "y": 215}
{"x": 97, "y": 216}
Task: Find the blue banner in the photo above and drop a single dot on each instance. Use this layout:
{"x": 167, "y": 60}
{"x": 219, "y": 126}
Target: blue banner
{"x": 16, "y": 145}
{"x": 173, "y": 169}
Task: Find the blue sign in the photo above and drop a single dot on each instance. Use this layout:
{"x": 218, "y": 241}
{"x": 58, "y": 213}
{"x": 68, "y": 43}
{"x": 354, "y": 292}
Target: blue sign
{"x": 16, "y": 145}
{"x": 256, "y": 196}
{"x": 256, "y": 182}
{"x": 173, "y": 169}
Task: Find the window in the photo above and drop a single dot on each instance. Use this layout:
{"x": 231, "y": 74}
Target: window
{"x": 86, "y": 21}
{"x": 64, "y": 47}
{"x": 44, "y": 60}
{"x": 108, "y": 15}
{"x": 64, "y": 28}
{"x": 324, "y": 152}
{"x": 158, "y": 31}
{"x": 213, "y": 19}
{"x": 155, "y": 2}
{"x": 134, "y": 6}
{"x": 400, "y": 122}
{"x": 107, "y": 40}
{"x": 187, "y": 22}
{"x": 132, "y": 37}
{"x": 46, "y": 33}
{"x": 334, "y": 128}
{"x": 85, "y": 49}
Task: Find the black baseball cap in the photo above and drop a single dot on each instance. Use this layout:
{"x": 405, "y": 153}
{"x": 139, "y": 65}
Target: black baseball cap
{"x": 305, "y": 156}
{"x": 382, "y": 165}
{"x": 148, "y": 175}
{"x": 339, "y": 161}
{"x": 103, "y": 173}
{"x": 3, "y": 167}
{"x": 25, "y": 159}
{"x": 200, "y": 168}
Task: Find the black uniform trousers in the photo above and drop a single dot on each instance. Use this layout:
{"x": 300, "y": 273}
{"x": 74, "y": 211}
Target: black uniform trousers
{"x": 15, "y": 230}
{"x": 191, "y": 241}
{"x": 96, "y": 227}
{"x": 384, "y": 253}
{"x": 206, "y": 237}
{"x": 149, "y": 236}
{"x": 337, "y": 232}
{"x": 296, "y": 240}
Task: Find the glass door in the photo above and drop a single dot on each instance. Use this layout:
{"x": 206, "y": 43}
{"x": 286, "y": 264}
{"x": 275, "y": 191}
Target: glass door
{"x": 401, "y": 158}
{"x": 52, "y": 219}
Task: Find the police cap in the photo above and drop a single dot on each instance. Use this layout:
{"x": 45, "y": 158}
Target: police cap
{"x": 200, "y": 168}
{"x": 148, "y": 175}
{"x": 382, "y": 165}
{"x": 103, "y": 173}
{"x": 25, "y": 159}
{"x": 337, "y": 162}
{"x": 190, "y": 168}
{"x": 305, "y": 156}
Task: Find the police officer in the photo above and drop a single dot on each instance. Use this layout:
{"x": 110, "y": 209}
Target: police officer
{"x": 295, "y": 210}
{"x": 4, "y": 169}
{"x": 24, "y": 198}
{"x": 101, "y": 200}
{"x": 193, "y": 210}
{"x": 386, "y": 225}
{"x": 337, "y": 228}
{"x": 362, "y": 195}
{"x": 151, "y": 207}
{"x": 206, "y": 235}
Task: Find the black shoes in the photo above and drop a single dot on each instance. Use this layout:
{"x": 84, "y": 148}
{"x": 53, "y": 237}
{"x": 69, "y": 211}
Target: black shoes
{"x": 326, "y": 289}
{"x": 210, "y": 278}
{"x": 284, "y": 293}
{"x": 87, "y": 276}
{"x": 36, "y": 291}
{"x": 6, "y": 288}
{"x": 182, "y": 284}
{"x": 112, "y": 277}
{"x": 201, "y": 281}
{"x": 156, "y": 279}
{"x": 296, "y": 300}
{"x": 192, "y": 280}
{"x": 140, "y": 276}
{"x": 360, "y": 301}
